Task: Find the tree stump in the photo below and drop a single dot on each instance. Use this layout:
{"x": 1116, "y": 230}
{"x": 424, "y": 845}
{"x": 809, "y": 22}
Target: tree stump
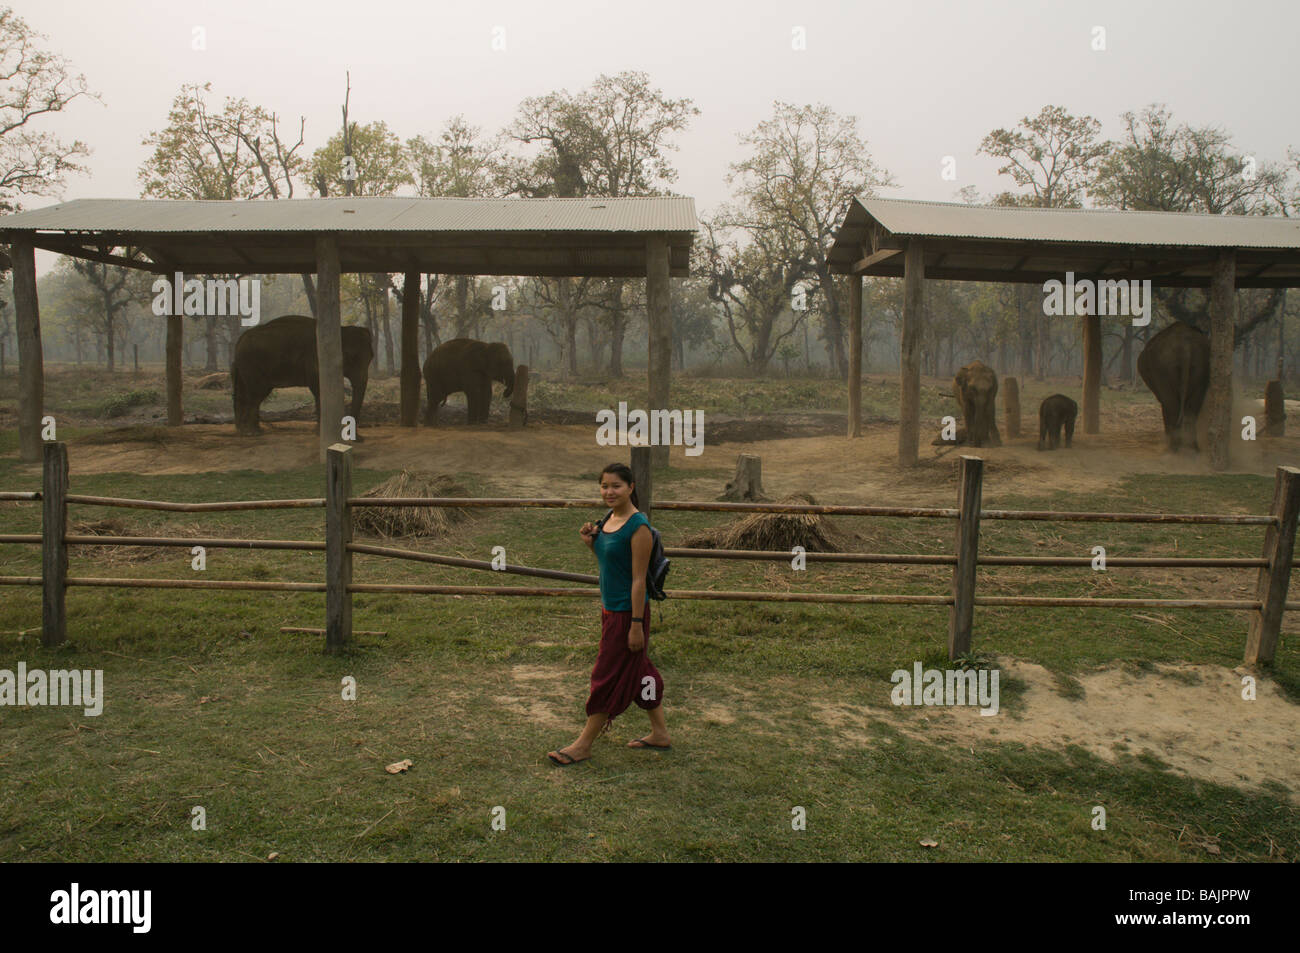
{"x": 1011, "y": 406}
{"x": 519, "y": 398}
{"x": 747, "y": 485}
{"x": 1274, "y": 409}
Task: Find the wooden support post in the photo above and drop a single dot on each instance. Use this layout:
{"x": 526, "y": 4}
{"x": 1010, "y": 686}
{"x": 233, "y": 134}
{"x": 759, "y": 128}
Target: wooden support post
{"x": 657, "y": 291}
{"x": 962, "y": 614}
{"x": 909, "y": 358}
{"x": 338, "y": 560}
{"x": 1011, "y": 406}
{"x": 136, "y": 349}
{"x": 855, "y": 355}
{"x": 643, "y": 477}
{"x": 519, "y": 398}
{"x": 1218, "y": 402}
{"x": 329, "y": 342}
{"x": 175, "y": 343}
{"x": 2, "y": 357}
{"x": 31, "y": 367}
{"x": 1274, "y": 409}
{"x": 54, "y": 551}
{"x": 1091, "y": 372}
{"x": 410, "y": 408}
{"x": 1275, "y": 578}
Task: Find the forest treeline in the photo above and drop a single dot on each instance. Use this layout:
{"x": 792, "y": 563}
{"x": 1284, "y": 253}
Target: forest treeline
{"x": 761, "y": 299}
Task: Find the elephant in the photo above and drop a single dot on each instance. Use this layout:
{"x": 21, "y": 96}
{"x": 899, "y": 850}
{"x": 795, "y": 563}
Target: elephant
{"x": 1175, "y": 364}
{"x": 282, "y": 353}
{"x": 1054, "y": 413}
{"x": 976, "y": 390}
{"x": 463, "y": 365}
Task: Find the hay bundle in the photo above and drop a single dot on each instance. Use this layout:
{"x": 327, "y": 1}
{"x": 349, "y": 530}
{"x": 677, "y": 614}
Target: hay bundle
{"x": 773, "y": 531}
{"x": 397, "y": 521}
{"x": 118, "y": 555}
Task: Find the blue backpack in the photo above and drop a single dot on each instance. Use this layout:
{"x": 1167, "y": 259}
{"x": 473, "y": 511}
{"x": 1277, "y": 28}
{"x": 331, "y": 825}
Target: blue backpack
{"x": 657, "y": 571}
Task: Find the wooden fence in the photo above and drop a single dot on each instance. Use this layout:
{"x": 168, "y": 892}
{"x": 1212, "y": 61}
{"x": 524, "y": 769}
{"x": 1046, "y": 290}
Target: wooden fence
{"x": 1265, "y": 610}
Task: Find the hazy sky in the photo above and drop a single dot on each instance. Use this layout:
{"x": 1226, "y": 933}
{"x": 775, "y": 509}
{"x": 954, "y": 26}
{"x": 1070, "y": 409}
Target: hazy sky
{"x": 924, "y": 79}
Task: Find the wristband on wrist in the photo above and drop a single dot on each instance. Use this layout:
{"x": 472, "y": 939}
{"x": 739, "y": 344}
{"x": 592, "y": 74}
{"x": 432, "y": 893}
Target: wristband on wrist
{"x": 638, "y": 620}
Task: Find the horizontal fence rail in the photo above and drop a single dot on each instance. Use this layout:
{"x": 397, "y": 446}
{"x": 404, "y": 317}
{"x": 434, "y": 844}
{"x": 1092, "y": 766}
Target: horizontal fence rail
{"x": 1267, "y": 608}
{"x": 194, "y": 507}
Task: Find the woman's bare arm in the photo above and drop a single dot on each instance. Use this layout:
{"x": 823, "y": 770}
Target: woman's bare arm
{"x": 642, "y": 543}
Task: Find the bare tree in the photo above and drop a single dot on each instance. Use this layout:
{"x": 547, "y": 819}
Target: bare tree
{"x": 33, "y": 84}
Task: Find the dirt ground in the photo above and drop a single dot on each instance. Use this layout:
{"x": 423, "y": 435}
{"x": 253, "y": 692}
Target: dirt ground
{"x": 1191, "y": 717}
{"x": 547, "y": 458}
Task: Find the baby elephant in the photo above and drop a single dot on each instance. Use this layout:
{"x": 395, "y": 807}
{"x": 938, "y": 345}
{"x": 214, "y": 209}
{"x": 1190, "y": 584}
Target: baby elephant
{"x": 1054, "y": 413}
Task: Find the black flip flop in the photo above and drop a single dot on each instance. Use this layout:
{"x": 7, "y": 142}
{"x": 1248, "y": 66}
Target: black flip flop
{"x": 642, "y": 744}
{"x": 566, "y": 764}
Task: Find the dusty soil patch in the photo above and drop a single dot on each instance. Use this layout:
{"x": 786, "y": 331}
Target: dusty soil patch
{"x": 1191, "y": 717}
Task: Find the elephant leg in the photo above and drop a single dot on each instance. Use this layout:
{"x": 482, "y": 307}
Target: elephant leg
{"x": 315, "y": 394}
{"x": 358, "y": 395}
{"x": 1188, "y": 435}
{"x": 253, "y": 399}
{"x": 474, "y": 399}
{"x": 436, "y": 398}
{"x": 1069, "y": 431}
{"x": 485, "y": 401}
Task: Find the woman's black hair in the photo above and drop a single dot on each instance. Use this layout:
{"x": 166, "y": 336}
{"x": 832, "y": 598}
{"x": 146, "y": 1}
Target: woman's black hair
{"x": 624, "y": 473}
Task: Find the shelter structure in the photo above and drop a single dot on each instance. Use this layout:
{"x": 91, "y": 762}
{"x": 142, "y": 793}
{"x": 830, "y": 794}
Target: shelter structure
{"x": 603, "y": 237}
{"x": 917, "y": 240}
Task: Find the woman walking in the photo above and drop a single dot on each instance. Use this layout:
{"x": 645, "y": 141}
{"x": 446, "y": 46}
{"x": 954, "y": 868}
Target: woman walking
{"x": 623, "y": 672}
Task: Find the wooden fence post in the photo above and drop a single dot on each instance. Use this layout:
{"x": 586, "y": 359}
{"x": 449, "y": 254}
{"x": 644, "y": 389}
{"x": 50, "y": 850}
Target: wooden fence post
{"x": 54, "y": 551}
{"x": 1279, "y": 544}
{"x": 969, "y": 492}
{"x": 642, "y": 476}
{"x": 338, "y": 534}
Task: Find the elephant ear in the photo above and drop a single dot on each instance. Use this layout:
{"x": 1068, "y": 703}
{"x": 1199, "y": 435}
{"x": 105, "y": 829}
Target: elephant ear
{"x": 959, "y": 384}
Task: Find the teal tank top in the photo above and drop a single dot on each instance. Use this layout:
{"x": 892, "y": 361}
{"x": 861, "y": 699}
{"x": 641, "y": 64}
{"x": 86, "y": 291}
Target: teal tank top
{"x": 614, "y": 556}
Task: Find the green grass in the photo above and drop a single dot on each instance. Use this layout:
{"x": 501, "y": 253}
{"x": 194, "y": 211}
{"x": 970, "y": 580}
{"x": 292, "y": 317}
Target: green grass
{"x": 208, "y": 704}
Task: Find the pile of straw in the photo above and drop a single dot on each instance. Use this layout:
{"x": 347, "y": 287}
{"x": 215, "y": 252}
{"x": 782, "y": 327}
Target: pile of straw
{"x": 118, "y": 555}
{"x": 412, "y": 521}
{"x": 773, "y": 531}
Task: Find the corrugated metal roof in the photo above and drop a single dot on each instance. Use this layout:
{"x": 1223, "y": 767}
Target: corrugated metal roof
{"x": 945, "y": 219}
{"x": 1032, "y": 245}
{"x": 385, "y": 214}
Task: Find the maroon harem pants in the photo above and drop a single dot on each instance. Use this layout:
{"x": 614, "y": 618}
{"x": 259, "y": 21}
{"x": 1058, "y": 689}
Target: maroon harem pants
{"x": 619, "y": 677}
